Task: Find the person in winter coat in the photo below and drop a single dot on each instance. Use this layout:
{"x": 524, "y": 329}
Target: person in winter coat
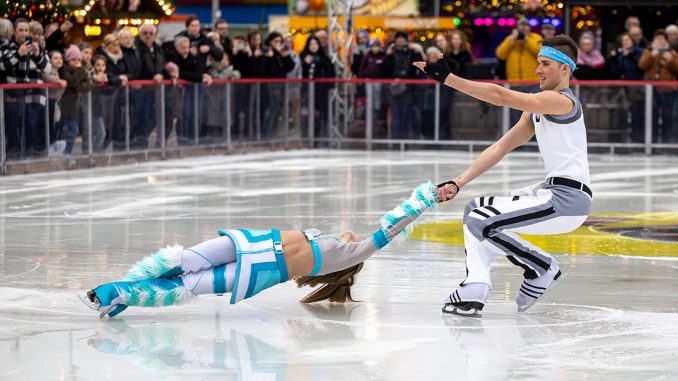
{"x": 200, "y": 45}
{"x": 316, "y": 64}
{"x": 519, "y": 50}
{"x": 398, "y": 64}
{"x": 277, "y": 64}
{"x": 190, "y": 69}
{"x": 152, "y": 62}
{"x": 660, "y": 63}
{"x": 624, "y": 64}
{"x": 591, "y": 64}
{"x": 52, "y": 76}
{"x": 78, "y": 82}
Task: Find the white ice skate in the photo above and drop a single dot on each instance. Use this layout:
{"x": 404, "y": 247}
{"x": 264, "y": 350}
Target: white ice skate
{"x": 468, "y": 300}
{"x": 533, "y": 290}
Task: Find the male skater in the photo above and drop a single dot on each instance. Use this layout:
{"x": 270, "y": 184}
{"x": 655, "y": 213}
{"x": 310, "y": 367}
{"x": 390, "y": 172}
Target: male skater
{"x": 557, "y": 205}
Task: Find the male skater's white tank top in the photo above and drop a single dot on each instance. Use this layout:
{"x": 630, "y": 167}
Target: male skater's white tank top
{"x": 562, "y": 142}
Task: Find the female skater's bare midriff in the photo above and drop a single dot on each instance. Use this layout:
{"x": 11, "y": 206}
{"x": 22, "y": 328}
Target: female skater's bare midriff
{"x": 299, "y": 254}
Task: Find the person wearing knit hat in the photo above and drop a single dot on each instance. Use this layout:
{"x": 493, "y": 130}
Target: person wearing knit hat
{"x": 73, "y": 53}
{"x": 77, "y": 82}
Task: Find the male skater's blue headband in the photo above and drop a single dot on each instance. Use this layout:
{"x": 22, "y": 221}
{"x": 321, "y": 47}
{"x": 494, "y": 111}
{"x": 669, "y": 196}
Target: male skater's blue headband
{"x": 555, "y": 54}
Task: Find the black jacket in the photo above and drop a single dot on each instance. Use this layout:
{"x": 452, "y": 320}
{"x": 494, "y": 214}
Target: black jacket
{"x": 190, "y": 68}
{"x": 458, "y": 62}
{"x": 114, "y": 69}
{"x": 200, "y": 40}
{"x": 152, "y": 63}
{"x": 320, "y": 67}
{"x": 399, "y": 64}
{"x": 132, "y": 62}
{"x": 278, "y": 66}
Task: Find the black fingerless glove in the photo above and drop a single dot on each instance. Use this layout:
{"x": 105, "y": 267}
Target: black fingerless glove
{"x": 437, "y": 71}
{"x": 449, "y": 182}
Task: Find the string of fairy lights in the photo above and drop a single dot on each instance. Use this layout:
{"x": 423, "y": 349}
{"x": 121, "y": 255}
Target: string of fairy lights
{"x": 81, "y": 13}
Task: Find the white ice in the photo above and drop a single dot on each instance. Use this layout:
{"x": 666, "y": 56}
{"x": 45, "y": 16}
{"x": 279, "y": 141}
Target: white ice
{"x": 614, "y": 317}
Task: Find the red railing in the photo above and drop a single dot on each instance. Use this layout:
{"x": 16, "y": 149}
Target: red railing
{"x": 351, "y": 80}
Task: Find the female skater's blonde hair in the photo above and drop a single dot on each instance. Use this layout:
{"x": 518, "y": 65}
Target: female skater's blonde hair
{"x": 336, "y": 286}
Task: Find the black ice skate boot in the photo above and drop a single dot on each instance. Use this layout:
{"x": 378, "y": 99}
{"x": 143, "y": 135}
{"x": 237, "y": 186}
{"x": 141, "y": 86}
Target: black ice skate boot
{"x": 468, "y": 300}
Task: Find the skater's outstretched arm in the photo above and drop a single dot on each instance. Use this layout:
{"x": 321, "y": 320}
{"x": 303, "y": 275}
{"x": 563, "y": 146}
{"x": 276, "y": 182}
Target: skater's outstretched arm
{"x": 546, "y": 102}
{"x": 516, "y": 136}
{"x": 342, "y": 258}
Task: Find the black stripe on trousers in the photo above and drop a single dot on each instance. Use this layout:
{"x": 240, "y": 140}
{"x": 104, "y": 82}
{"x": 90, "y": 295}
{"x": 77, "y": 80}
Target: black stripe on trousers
{"x": 522, "y": 254}
{"x": 512, "y": 248}
{"x": 516, "y": 219}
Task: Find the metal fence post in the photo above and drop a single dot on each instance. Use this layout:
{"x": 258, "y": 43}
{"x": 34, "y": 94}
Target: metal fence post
{"x": 311, "y": 112}
{"x": 648, "y": 119}
{"x": 577, "y": 90}
{"x": 229, "y": 116}
{"x": 257, "y": 115}
{"x": 369, "y": 117}
{"x": 286, "y": 116}
{"x": 196, "y": 110}
{"x": 47, "y": 120}
{"x": 3, "y": 153}
{"x": 90, "y": 130}
{"x": 127, "y": 122}
{"x": 436, "y": 113}
{"x": 163, "y": 121}
{"x": 505, "y": 115}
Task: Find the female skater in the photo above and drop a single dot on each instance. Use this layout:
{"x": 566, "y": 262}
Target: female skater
{"x": 245, "y": 262}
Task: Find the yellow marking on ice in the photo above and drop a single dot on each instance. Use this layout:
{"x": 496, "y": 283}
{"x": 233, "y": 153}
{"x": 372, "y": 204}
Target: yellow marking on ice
{"x": 589, "y": 239}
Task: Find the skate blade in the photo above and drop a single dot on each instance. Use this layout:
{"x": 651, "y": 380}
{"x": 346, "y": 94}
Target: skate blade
{"x": 85, "y": 300}
{"x": 472, "y": 313}
{"x": 551, "y": 286}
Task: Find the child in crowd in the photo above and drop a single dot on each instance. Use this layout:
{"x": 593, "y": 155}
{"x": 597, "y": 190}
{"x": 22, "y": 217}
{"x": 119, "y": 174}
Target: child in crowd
{"x": 99, "y": 78}
{"x": 78, "y": 82}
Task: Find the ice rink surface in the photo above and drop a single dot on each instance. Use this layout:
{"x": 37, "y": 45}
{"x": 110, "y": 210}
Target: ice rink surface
{"x": 615, "y": 317}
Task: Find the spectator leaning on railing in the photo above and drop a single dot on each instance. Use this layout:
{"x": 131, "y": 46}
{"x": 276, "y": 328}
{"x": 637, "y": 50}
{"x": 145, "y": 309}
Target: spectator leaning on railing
{"x": 151, "y": 64}
{"x": 660, "y": 63}
{"x": 190, "y": 69}
{"x": 24, "y": 61}
{"x": 117, "y": 75}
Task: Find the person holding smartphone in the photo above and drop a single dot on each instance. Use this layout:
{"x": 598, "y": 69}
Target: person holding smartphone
{"x": 25, "y": 62}
{"x": 519, "y": 50}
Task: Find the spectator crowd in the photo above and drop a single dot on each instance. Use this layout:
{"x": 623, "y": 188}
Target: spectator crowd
{"x": 124, "y": 115}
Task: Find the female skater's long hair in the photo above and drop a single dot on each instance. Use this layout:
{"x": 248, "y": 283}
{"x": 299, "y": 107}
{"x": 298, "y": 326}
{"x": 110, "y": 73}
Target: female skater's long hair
{"x": 336, "y": 286}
